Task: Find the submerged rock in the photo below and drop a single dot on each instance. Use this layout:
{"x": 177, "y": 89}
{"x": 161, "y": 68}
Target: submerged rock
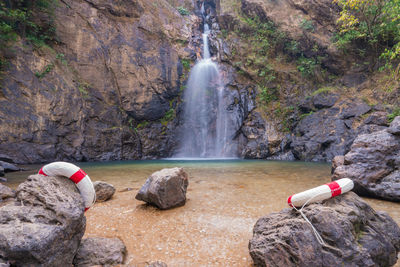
{"x": 100, "y": 251}
{"x": 355, "y": 235}
{"x": 165, "y": 189}
{"x": 45, "y": 224}
{"x": 104, "y": 191}
{"x": 373, "y": 163}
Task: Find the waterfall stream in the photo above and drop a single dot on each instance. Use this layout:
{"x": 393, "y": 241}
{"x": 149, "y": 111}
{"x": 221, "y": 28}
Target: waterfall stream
{"x": 205, "y": 125}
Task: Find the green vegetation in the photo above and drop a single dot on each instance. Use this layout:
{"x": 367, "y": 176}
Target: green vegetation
{"x": 169, "y": 115}
{"x": 185, "y": 63}
{"x": 322, "y": 90}
{"x": 31, "y": 20}
{"x": 142, "y": 124}
{"x": 285, "y": 114}
{"x": 267, "y": 94}
{"x": 307, "y": 25}
{"x": 83, "y": 89}
{"x": 306, "y": 66}
{"x": 394, "y": 114}
{"x": 46, "y": 70}
{"x": 374, "y": 23}
{"x": 302, "y": 116}
{"x": 183, "y": 11}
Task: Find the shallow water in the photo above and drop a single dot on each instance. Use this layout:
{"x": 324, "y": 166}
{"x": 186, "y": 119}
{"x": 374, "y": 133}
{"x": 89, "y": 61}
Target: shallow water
{"x": 225, "y": 199}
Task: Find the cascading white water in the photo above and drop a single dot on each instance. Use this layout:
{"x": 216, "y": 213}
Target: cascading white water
{"x": 205, "y": 127}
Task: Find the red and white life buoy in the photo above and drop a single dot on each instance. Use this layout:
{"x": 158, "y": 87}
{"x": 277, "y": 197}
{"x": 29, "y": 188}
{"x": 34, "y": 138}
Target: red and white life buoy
{"x": 78, "y": 176}
{"x": 321, "y": 192}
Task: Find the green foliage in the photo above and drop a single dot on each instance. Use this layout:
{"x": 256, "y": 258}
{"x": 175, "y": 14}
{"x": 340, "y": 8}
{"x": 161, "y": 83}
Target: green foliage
{"x": 302, "y": 116}
{"x": 21, "y": 18}
{"x": 394, "y": 114}
{"x": 306, "y": 66}
{"x": 83, "y": 89}
{"x": 169, "y": 115}
{"x": 62, "y": 59}
{"x": 285, "y": 116}
{"x": 268, "y": 94}
{"x": 307, "y": 25}
{"x": 142, "y": 124}
{"x": 46, "y": 70}
{"x": 183, "y": 11}
{"x": 373, "y": 22}
{"x": 322, "y": 90}
{"x": 185, "y": 64}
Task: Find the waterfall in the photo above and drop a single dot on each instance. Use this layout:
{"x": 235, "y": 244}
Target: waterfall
{"x": 205, "y": 131}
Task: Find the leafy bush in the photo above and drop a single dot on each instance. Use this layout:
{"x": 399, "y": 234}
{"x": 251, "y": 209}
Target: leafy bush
{"x": 183, "y": 11}
{"x": 373, "y": 22}
{"x": 394, "y": 114}
{"x": 46, "y": 70}
{"x": 306, "y": 66}
{"x": 268, "y": 94}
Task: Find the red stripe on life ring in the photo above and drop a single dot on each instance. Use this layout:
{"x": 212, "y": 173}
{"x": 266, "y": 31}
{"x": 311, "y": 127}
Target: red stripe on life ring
{"x": 289, "y": 201}
{"x": 335, "y": 189}
{"x": 42, "y": 172}
{"x": 78, "y": 176}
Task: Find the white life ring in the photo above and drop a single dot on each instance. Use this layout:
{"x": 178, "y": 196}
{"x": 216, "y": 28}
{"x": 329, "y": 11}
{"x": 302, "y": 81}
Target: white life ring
{"x": 321, "y": 192}
{"x": 78, "y": 176}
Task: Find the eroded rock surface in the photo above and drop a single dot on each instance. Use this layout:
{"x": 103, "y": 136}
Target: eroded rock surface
{"x": 45, "y": 224}
{"x": 373, "y": 163}
{"x": 104, "y": 191}
{"x": 165, "y": 189}
{"x": 100, "y": 251}
{"x": 6, "y": 192}
{"x": 355, "y": 235}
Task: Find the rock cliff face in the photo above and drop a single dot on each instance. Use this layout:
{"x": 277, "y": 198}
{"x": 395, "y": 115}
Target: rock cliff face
{"x": 115, "y": 65}
{"x": 110, "y": 88}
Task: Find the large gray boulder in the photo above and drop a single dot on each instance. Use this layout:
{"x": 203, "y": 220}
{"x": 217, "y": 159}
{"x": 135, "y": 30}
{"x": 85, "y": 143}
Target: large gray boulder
{"x": 373, "y": 163}
{"x": 355, "y": 235}
{"x": 165, "y": 189}
{"x": 104, "y": 191}
{"x": 45, "y": 224}
{"x": 100, "y": 251}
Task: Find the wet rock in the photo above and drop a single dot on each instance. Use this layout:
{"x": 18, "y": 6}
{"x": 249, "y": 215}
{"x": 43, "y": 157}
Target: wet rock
{"x": 165, "y": 189}
{"x": 373, "y": 163}
{"x": 8, "y": 167}
{"x": 355, "y": 235}
{"x": 395, "y": 126}
{"x": 100, "y": 251}
{"x": 157, "y": 264}
{"x": 2, "y": 171}
{"x": 104, "y": 191}
{"x": 45, "y": 224}
{"x": 256, "y": 141}
{"x": 6, "y": 192}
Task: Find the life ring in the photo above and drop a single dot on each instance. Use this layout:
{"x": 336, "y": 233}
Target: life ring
{"x": 77, "y": 175}
{"x": 321, "y": 192}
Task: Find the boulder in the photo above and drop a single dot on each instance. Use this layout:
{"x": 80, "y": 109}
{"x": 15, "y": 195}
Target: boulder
{"x": 45, "y": 224}
{"x": 165, "y": 189}
{"x": 104, "y": 191}
{"x": 395, "y": 126}
{"x": 100, "y": 251}
{"x": 6, "y": 192}
{"x": 373, "y": 163}
{"x": 8, "y": 167}
{"x": 325, "y": 100}
{"x": 354, "y": 234}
